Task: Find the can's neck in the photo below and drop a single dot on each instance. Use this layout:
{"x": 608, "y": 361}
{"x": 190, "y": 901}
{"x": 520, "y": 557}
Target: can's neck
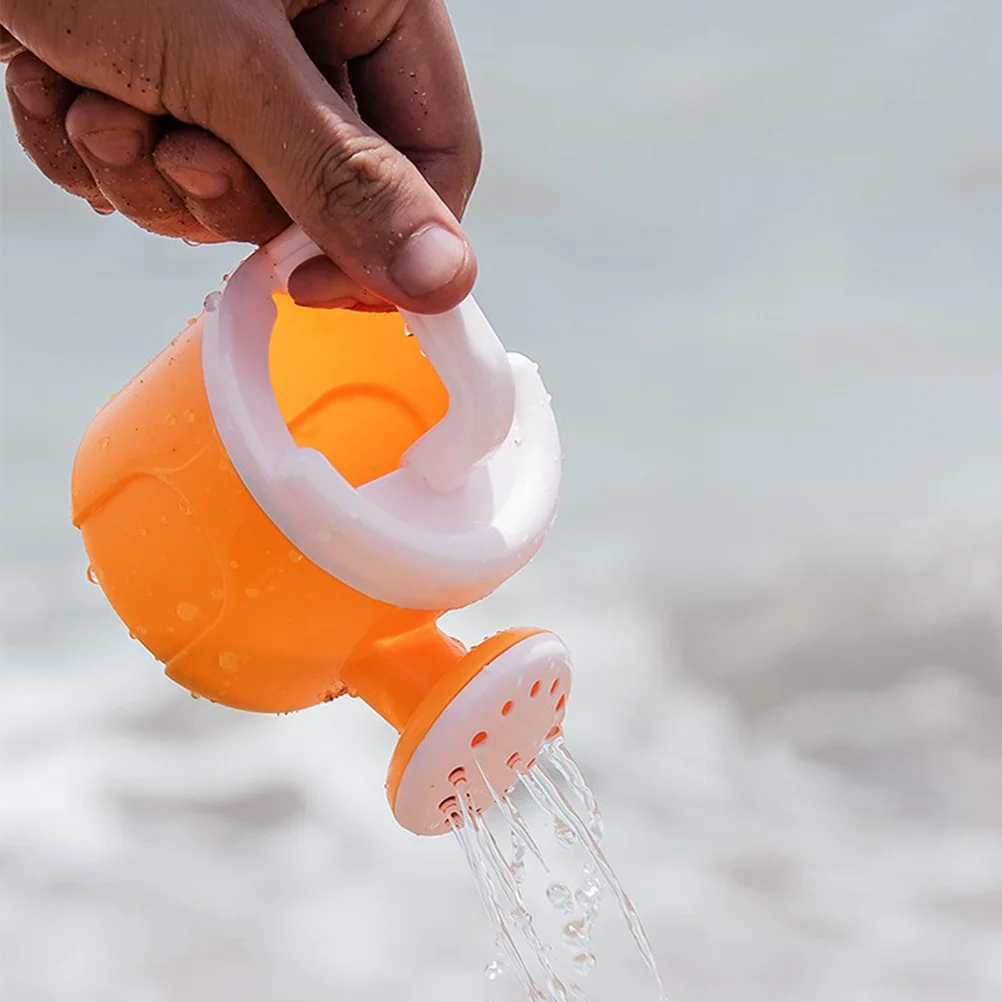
{"x": 394, "y": 675}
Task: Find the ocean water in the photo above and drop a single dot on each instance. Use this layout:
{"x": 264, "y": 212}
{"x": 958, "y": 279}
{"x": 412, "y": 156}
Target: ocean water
{"x": 755, "y": 248}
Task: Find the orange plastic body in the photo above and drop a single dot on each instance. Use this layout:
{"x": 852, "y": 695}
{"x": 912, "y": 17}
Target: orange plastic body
{"x": 199, "y": 573}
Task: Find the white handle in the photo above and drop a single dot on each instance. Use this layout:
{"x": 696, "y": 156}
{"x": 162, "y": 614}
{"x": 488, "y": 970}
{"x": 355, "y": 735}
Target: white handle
{"x": 475, "y": 496}
{"x": 469, "y": 359}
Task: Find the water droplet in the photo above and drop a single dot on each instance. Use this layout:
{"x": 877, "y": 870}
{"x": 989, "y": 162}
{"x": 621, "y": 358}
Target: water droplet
{"x": 577, "y": 933}
{"x": 217, "y": 594}
{"x": 103, "y": 442}
{"x": 189, "y": 416}
{"x": 295, "y": 556}
{"x": 494, "y": 970}
{"x": 560, "y": 896}
{"x": 171, "y": 420}
{"x": 229, "y": 661}
{"x": 584, "y": 963}
{"x": 187, "y": 611}
{"x": 92, "y": 574}
{"x": 252, "y": 592}
{"x": 211, "y": 301}
{"x": 518, "y": 846}
{"x": 518, "y": 869}
{"x": 234, "y": 564}
{"x": 589, "y": 896}
{"x": 564, "y": 832}
{"x": 224, "y": 464}
{"x": 324, "y": 535}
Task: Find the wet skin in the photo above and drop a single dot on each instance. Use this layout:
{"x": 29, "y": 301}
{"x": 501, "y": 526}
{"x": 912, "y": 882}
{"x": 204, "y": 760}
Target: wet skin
{"x": 218, "y": 120}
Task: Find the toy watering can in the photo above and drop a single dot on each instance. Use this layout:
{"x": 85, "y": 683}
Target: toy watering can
{"x": 283, "y": 502}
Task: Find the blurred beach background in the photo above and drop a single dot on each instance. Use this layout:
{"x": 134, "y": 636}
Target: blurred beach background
{"x": 756, "y": 248}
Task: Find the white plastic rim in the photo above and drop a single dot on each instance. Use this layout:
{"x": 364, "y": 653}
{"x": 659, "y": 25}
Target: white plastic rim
{"x": 476, "y": 494}
{"x": 500, "y": 719}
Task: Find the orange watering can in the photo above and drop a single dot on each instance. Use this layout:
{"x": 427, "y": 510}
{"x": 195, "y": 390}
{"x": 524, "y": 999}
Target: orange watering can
{"x": 283, "y": 502}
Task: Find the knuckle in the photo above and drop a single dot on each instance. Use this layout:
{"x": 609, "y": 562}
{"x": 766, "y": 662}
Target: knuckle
{"x": 358, "y": 175}
{"x": 338, "y": 31}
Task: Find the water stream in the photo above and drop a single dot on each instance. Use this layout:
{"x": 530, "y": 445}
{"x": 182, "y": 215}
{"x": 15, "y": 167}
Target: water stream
{"x": 576, "y": 821}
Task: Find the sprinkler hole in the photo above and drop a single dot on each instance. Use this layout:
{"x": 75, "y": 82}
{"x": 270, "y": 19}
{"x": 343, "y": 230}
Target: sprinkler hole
{"x": 513, "y": 761}
{"x": 457, "y": 776}
{"x": 561, "y": 703}
{"x": 555, "y": 686}
{"x": 536, "y": 686}
{"x": 449, "y": 805}
{"x": 478, "y": 739}
{"x": 507, "y": 708}
{"x": 554, "y": 732}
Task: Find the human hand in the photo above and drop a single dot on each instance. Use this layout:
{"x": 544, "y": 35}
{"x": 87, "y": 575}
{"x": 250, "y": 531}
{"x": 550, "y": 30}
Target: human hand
{"x": 220, "y": 119}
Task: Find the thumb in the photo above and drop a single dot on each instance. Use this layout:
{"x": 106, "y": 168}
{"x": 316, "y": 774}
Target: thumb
{"x": 364, "y": 203}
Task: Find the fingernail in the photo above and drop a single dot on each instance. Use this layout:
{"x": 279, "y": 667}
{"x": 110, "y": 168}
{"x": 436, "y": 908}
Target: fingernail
{"x": 428, "y": 260}
{"x": 199, "y": 183}
{"x": 114, "y": 147}
{"x": 38, "y": 97}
